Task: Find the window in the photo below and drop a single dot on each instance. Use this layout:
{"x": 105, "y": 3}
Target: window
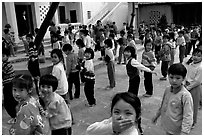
{"x": 88, "y": 14}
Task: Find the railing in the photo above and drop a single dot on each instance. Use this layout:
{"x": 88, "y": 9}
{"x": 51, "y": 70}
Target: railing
{"x": 65, "y": 26}
{"x": 103, "y": 12}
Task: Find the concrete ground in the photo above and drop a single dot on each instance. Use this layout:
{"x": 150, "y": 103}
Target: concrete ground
{"x": 84, "y": 116}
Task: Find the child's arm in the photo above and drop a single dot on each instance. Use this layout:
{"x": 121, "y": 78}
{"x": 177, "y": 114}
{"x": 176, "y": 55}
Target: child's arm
{"x": 197, "y": 80}
{"x": 187, "y": 122}
{"x": 139, "y": 66}
{"x": 100, "y": 128}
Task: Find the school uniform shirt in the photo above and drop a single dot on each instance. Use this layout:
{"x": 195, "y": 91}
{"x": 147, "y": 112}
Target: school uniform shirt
{"x": 87, "y": 41}
{"x": 32, "y": 51}
{"x": 194, "y": 75}
{"x": 177, "y": 111}
{"x": 28, "y": 120}
{"x": 109, "y": 53}
{"x": 132, "y": 43}
{"x": 148, "y": 62}
{"x": 138, "y": 65}
{"x": 180, "y": 41}
{"x": 105, "y": 128}
{"x": 59, "y": 113}
{"x": 59, "y": 72}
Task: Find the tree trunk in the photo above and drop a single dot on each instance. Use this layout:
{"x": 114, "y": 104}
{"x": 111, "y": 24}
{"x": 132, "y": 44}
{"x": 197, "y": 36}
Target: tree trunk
{"x": 45, "y": 24}
{"x": 133, "y": 14}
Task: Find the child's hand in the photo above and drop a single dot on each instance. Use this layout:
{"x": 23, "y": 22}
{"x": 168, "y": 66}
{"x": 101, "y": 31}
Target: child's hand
{"x": 121, "y": 125}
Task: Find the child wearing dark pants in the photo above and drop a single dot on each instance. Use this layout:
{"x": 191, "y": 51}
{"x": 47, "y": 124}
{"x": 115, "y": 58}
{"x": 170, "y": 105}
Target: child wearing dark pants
{"x": 148, "y": 60}
{"x": 109, "y": 59}
{"x": 8, "y": 75}
{"x": 74, "y": 79}
{"x": 88, "y": 70}
{"x": 133, "y": 67}
{"x": 180, "y": 41}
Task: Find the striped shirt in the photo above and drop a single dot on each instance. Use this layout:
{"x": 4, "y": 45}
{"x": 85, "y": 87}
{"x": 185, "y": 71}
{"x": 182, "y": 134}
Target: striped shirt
{"x": 32, "y": 51}
{"x": 8, "y": 72}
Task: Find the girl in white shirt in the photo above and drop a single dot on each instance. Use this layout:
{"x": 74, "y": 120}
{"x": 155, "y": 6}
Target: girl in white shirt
{"x": 59, "y": 72}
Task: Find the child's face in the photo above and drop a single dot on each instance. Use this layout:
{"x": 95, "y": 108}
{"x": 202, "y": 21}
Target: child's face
{"x": 4, "y": 57}
{"x": 165, "y": 40}
{"x": 127, "y": 54}
{"x": 20, "y": 94}
{"x": 87, "y": 55}
{"x": 55, "y": 59}
{"x": 197, "y": 57}
{"x": 123, "y": 110}
{"x": 175, "y": 80}
{"x": 45, "y": 91}
{"x": 148, "y": 46}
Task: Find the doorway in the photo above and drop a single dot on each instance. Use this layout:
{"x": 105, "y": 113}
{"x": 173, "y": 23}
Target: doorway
{"x": 24, "y": 19}
{"x": 62, "y": 14}
{"x": 73, "y": 16}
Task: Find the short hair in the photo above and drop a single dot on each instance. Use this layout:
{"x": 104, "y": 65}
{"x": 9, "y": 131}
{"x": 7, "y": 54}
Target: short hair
{"x": 37, "y": 30}
{"x": 8, "y": 26}
{"x": 131, "y": 99}
{"x": 23, "y": 81}
{"x": 109, "y": 43}
{"x": 131, "y": 50}
{"x": 85, "y": 32}
{"x": 177, "y": 69}
{"x": 49, "y": 80}
{"x": 59, "y": 53}
{"x": 122, "y": 32}
{"x": 80, "y": 43}
{"x": 196, "y": 51}
{"x": 111, "y": 35}
{"x": 89, "y": 50}
{"x": 130, "y": 36}
{"x": 67, "y": 47}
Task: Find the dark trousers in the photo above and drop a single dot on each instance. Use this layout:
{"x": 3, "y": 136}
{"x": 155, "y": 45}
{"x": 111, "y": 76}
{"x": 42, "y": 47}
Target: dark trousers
{"x": 182, "y": 50}
{"x": 187, "y": 47}
{"x": 157, "y": 49}
{"x": 62, "y": 131}
{"x": 148, "y": 83}
{"x": 74, "y": 79}
{"x": 89, "y": 91}
{"x": 164, "y": 68}
{"x": 111, "y": 73}
{"x": 102, "y": 51}
{"x": 33, "y": 67}
{"x": 121, "y": 50}
{"x": 134, "y": 84}
{"x": 192, "y": 44}
{"x": 9, "y": 102}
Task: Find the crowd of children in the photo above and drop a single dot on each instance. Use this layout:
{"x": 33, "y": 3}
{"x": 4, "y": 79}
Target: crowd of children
{"x": 47, "y": 111}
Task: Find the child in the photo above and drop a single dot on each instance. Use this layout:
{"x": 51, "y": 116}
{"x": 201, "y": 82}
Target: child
{"x": 123, "y": 104}
{"x": 149, "y": 61}
{"x": 109, "y": 59}
{"x": 158, "y": 43}
{"x": 56, "y": 42}
{"x": 29, "y": 119}
{"x": 131, "y": 42}
{"x": 59, "y": 72}
{"x": 194, "y": 81}
{"x": 8, "y": 38}
{"x": 88, "y": 70}
{"x": 180, "y": 41}
{"x": 58, "y": 111}
{"x": 66, "y": 38}
{"x": 81, "y": 57}
{"x": 165, "y": 56}
{"x": 86, "y": 38}
{"x": 8, "y": 74}
{"x": 176, "y": 109}
{"x": 133, "y": 67}
{"x": 33, "y": 62}
{"x": 72, "y": 71}
{"x": 173, "y": 46}
{"x": 123, "y": 43}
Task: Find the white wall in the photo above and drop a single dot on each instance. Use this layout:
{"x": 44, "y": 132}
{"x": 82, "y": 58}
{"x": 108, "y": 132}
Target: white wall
{"x": 94, "y": 7}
